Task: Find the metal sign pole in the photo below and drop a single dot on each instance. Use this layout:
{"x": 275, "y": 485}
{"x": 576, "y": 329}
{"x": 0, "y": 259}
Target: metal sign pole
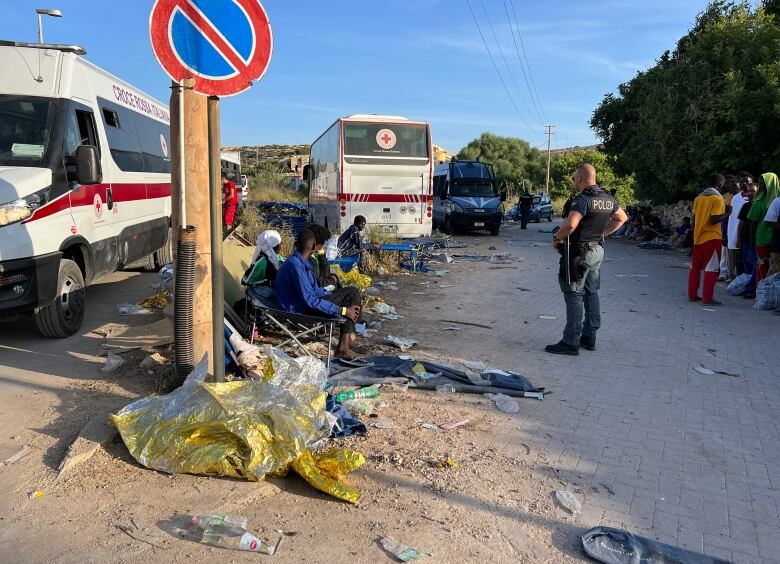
{"x": 217, "y": 280}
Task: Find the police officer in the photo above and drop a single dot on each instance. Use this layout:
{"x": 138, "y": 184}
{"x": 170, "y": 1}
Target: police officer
{"x": 526, "y": 205}
{"x": 593, "y": 215}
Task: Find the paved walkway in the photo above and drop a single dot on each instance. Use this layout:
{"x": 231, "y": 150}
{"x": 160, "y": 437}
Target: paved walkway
{"x": 690, "y": 459}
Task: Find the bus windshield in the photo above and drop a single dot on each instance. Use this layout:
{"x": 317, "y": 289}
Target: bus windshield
{"x": 382, "y": 140}
{"x": 26, "y": 126}
{"x": 469, "y": 188}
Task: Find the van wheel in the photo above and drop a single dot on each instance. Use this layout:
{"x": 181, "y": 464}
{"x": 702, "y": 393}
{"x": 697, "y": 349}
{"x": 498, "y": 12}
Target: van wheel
{"x": 64, "y": 316}
{"x": 549, "y": 218}
{"x": 494, "y": 231}
{"x": 164, "y": 255}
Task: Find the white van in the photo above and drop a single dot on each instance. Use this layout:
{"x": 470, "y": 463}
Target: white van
{"x": 85, "y": 185}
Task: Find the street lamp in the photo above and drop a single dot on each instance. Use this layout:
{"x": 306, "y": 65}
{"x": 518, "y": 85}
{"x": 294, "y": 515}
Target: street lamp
{"x": 45, "y": 12}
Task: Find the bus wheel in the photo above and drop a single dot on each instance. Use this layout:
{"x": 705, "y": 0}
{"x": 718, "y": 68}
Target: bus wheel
{"x": 64, "y": 316}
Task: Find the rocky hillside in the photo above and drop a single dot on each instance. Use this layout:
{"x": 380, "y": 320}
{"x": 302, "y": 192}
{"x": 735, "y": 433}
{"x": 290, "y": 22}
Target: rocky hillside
{"x": 268, "y": 153}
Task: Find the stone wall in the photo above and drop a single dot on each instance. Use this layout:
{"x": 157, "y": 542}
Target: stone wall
{"x": 672, "y": 214}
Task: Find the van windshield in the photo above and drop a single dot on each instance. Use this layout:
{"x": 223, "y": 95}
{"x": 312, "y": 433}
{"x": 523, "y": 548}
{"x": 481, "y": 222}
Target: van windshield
{"x": 26, "y": 126}
{"x": 468, "y": 188}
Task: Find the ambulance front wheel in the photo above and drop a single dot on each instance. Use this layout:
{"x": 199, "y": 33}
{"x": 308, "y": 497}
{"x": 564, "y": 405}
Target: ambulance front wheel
{"x": 64, "y": 316}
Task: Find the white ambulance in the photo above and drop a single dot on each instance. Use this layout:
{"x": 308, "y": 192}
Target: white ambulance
{"x": 84, "y": 182}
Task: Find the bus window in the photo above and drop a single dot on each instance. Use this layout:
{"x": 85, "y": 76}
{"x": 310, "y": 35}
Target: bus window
{"x": 411, "y": 141}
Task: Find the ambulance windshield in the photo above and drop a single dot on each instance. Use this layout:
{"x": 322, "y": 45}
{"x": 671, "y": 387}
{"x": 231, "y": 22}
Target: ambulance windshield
{"x": 25, "y": 130}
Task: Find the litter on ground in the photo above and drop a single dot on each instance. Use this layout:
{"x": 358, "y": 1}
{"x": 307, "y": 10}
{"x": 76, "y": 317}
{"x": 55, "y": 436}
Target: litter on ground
{"x": 569, "y": 501}
{"x": 403, "y": 343}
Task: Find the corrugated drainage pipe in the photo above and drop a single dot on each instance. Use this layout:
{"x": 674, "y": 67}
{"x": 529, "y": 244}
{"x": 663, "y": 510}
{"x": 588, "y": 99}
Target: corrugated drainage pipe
{"x": 182, "y": 305}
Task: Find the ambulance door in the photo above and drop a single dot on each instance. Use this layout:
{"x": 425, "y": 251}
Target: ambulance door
{"x": 91, "y": 205}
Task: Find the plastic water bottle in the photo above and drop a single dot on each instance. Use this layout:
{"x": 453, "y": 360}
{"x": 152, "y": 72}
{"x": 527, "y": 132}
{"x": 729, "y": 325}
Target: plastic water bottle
{"x": 401, "y": 551}
{"x": 225, "y": 535}
{"x": 363, "y": 393}
{"x": 445, "y": 389}
{"x": 202, "y": 521}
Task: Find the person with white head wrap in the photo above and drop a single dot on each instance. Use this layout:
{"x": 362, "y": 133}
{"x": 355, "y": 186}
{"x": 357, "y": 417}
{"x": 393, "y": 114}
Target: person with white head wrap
{"x": 266, "y": 261}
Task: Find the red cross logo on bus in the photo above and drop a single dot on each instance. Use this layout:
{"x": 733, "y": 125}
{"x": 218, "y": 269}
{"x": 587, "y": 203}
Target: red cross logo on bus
{"x": 385, "y": 138}
{"x": 98, "y": 205}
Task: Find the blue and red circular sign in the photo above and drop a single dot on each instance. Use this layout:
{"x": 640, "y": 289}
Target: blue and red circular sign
{"x": 223, "y": 45}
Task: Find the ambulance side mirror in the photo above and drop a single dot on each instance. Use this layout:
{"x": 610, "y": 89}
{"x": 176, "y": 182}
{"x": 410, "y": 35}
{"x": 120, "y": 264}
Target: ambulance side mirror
{"x": 88, "y": 170}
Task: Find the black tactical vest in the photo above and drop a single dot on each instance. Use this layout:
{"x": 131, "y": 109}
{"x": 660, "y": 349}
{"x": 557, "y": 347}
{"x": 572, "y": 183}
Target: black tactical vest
{"x": 600, "y": 207}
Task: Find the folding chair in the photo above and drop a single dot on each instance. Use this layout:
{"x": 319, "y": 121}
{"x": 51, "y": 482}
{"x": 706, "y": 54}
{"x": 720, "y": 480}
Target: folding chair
{"x": 295, "y": 326}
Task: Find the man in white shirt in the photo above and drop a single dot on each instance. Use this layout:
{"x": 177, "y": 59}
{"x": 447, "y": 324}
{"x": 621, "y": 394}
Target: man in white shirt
{"x": 735, "y": 256}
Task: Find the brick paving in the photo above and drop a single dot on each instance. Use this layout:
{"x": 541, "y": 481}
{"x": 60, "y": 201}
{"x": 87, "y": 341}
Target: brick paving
{"x": 689, "y": 459}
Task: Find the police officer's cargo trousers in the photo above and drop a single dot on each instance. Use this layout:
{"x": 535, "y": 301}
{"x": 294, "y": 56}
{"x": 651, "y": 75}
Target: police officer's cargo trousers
{"x": 583, "y": 313}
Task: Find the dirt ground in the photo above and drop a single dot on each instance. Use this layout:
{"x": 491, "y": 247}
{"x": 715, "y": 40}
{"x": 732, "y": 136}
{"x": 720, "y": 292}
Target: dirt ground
{"x": 495, "y": 505}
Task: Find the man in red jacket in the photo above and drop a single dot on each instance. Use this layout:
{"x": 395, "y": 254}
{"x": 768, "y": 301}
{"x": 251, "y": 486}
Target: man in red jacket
{"x": 229, "y": 202}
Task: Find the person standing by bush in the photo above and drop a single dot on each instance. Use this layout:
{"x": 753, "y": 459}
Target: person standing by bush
{"x": 761, "y": 233}
{"x": 709, "y": 210}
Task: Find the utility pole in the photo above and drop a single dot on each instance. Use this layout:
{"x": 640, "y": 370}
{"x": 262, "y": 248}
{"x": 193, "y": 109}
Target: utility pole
{"x": 550, "y": 130}
{"x": 197, "y": 200}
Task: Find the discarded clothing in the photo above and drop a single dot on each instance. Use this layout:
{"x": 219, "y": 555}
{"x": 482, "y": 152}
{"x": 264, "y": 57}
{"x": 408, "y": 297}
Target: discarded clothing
{"x": 346, "y": 423}
{"x": 389, "y": 369}
{"x": 616, "y": 546}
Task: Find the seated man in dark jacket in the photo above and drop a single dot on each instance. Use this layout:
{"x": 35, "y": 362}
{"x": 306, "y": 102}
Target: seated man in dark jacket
{"x": 298, "y": 292}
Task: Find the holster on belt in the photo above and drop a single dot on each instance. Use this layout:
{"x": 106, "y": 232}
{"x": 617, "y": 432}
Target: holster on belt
{"x": 572, "y": 268}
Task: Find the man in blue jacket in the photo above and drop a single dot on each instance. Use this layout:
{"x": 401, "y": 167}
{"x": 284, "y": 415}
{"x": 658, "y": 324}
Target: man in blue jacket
{"x": 298, "y": 292}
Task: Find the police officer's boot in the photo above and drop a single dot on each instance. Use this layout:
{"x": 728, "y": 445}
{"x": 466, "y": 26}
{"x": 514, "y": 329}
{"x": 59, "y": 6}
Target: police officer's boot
{"x": 588, "y": 343}
{"x": 562, "y": 348}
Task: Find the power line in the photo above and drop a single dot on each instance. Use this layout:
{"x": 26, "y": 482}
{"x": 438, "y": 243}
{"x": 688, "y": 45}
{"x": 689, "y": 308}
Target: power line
{"x": 501, "y": 51}
{"x": 536, "y": 105}
{"x": 525, "y": 57}
{"x": 495, "y": 66}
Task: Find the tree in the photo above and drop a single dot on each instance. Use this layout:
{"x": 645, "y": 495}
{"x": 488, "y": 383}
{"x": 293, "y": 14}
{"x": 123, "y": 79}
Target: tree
{"x": 710, "y": 105}
{"x": 513, "y": 159}
{"x": 564, "y": 164}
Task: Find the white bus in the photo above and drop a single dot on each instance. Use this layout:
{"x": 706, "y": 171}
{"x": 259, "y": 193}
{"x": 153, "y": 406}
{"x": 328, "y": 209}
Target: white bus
{"x": 85, "y": 184}
{"x": 379, "y": 167}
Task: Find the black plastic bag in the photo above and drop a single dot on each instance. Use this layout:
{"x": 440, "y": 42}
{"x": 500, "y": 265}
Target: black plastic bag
{"x": 616, "y": 546}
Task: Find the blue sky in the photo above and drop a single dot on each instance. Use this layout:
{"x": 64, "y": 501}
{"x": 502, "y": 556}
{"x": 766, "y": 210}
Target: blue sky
{"x": 423, "y": 59}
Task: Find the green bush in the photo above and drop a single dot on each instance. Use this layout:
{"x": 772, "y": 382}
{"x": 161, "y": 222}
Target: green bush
{"x": 710, "y": 105}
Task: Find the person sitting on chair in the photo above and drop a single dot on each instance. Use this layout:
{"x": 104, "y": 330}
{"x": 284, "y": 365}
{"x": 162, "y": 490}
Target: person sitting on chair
{"x": 319, "y": 261}
{"x": 266, "y": 261}
{"x": 351, "y": 241}
{"x": 298, "y": 292}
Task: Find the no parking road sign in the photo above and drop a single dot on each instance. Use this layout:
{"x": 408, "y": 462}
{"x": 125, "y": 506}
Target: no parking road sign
{"x": 223, "y": 44}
